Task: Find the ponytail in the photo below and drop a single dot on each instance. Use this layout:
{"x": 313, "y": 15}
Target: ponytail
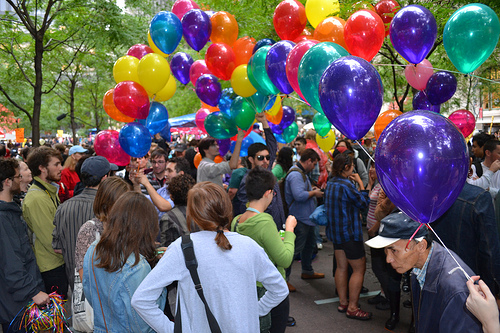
{"x": 221, "y": 240}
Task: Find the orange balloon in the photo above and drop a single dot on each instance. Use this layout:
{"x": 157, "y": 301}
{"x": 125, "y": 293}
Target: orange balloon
{"x": 111, "y": 109}
{"x": 331, "y": 29}
{"x": 384, "y": 119}
{"x": 197, "y": 160}
{"x": 243, "y": 49}
{"x": 276, "y": 119}
{"x": 224, "y": 28}
{"x": 209, "y": 107}
{"x": 218, "y": 159}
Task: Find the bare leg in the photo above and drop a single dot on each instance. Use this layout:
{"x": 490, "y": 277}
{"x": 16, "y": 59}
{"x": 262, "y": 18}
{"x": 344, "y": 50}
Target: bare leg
{"x": 341, "y": 275}
{"x": 356, "y": 282}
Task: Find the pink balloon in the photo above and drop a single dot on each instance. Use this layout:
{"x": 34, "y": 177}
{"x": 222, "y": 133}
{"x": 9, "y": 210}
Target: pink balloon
{"x": 418, "y": 75}
{"x": 464, "y": 120}
{"x": 201, "y": 114}
{"x": 181, "y": 7}
{"x": 139, "y": 51}
{"x": 293, "y": 62}
{"x": 198, "y": 68}
{"x": 106, "y": 145}
{"x": 131, "y": 99}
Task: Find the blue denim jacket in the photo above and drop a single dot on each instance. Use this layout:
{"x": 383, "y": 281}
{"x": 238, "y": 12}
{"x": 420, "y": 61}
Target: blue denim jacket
{"x": 116, "y": 290}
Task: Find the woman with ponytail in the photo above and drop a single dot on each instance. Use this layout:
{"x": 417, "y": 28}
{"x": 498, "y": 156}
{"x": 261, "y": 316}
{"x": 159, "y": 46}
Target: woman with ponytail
{"x": 229, "y": 265}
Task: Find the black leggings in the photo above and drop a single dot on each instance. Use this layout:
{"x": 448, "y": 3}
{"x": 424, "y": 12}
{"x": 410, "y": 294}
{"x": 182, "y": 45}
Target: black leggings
{"x": 279, "y": 316}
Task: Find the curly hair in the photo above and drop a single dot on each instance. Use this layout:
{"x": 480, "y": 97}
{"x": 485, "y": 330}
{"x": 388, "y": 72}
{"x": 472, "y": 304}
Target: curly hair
{"x": 179, "y": 187}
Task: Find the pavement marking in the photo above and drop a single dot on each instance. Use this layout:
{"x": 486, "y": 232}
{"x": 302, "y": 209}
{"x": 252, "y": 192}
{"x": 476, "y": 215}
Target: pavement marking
{"x": 336, "y": 299}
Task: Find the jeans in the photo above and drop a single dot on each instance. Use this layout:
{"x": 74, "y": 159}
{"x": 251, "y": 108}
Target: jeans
{"x": 305, "y": 244}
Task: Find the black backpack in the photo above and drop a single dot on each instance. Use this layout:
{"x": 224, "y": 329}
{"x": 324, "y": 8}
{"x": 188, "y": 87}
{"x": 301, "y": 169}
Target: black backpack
{"x": 281, "y": 184}
{"x": 479, "y": 168}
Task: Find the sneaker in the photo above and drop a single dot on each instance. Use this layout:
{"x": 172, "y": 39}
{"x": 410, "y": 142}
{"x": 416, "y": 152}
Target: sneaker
{"x": 291, "y": 288}
{"x": 376, "y": 299}
{"x": 291, "y": 321}
{"x": 320, "y": 246}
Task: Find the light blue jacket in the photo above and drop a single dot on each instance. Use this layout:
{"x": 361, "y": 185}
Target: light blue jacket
{"x": 115, "y": 291}
{"x": 297, "y": 197}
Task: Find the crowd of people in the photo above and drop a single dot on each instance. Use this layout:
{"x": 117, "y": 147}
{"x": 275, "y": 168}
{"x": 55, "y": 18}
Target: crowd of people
{"x": 144, "y": 248}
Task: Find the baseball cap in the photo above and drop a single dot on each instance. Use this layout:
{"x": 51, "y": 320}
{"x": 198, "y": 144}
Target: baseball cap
{"x": 394, "y": 227}
{"x": 77, "y": 149}
{"x": 96, "y": 166}
{"x": 180, "y": 147}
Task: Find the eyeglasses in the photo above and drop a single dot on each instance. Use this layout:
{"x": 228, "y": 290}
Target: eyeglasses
{"x": 157, "y": 162}
{"x": 262, "y": 157}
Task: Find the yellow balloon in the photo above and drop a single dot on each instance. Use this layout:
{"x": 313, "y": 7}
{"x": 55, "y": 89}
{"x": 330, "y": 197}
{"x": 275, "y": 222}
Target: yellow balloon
{"x": 154, "y": 47}
{"x": 318, "y": 10}
{"x": 240, "y": 82}
{"x": 125, "y": 69}
{"x": 168, "y": 91}
{"x": 153, "y": 72}
{"x": 326, "y": 142}
{"x": 276, "y": 106}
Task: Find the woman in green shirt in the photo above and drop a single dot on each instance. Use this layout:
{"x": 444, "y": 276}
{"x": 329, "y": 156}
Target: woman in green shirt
{"x": 283, "y": 163}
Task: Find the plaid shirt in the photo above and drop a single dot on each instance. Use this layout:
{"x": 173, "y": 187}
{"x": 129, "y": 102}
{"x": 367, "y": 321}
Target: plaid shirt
{"x": 157, "y": 184}
{"x": 343, "y": 203}
{"x": 422, "y": 272}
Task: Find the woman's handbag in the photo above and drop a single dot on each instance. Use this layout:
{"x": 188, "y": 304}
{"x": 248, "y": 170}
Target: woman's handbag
{"x": 83, "y": 314}
{"x": 319, "y": 215}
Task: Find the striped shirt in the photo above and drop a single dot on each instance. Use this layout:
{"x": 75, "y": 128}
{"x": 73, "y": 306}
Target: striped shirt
{"x": 370, "y": 218}
{"x": 343, "y": 203}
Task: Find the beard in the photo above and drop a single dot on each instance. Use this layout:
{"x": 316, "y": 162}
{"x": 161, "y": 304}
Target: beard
{"x": 54, "y": 177}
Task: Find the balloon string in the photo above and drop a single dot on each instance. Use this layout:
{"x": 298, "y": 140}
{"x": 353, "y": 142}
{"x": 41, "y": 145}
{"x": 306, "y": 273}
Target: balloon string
{"x": 446, "y": 248}
{"x": 367, "y": 153}
{"x": 412, "y": 236}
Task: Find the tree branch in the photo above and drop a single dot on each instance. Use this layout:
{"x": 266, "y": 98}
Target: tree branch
{"x": 14, "y": 103}
{"x": 19, "y": 65}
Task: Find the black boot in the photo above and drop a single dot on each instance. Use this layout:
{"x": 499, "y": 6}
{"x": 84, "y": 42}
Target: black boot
{"x": 394, "y": 300}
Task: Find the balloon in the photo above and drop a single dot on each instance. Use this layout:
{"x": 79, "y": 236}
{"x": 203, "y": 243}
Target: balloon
{"x": 154, "y": 47}
{"x": 413, "y": 32}
{"x": 224, "y": 28}
{"x": 220, "y": 60}
{"x": 364, "y": 34}
{"x": 288, "y": 116}
{"x": 273, "y": 107}
{"x": 111, "y": 110}
{"x": 289, "y": 19}
{"x": 106, "y": 144}
{"x": 243, "y": 48}
{"x": 247, "y": 133}
{"x": 242, "y": 113}
{"x": 244, "y": 146}
{"x": 179, "y": 65}
{"x": 418, "y": 75}
{"x": 276, "y": 129}
{"x": 153, "y": 72}
{"x": 224, "y": 146}
{"x": 279, "y": 138}
{"x": 441, "y": 87}
{"x": 321, "y": 125}
{"x": 351, "y": 93}
{"x": 208, "y": 89}
{"x": 157, "y": 118}
{"x": 197, "y": 69}
{"x": 464, "y": 120}
{"x": 220, "y": 126}
{"x": 331, "y": 29}
{"x": 261, "y": 43}
{"x": 420, "y": 102}
{"x": 291, "y": 132}
{"x": 199, "y": 119}
{"x": 276, "y": 119}
{"x": 386, "y": 10}
{"x": 167, "y": 91}
{"x": 226, "y": 100}
{"x": 135, "y": 139}
{"x": 293, "y": 62}
{"x": 422, "y": 164}
{"x": 276, "y": 64}
{"x": 326, "y": 142}
{"x": 131, "y": 99}
{"x": 383, "y": 120}
{"x": 165, "y": 133}
{"x": 139, "y": 51}
{"x": 470, "y": 36}
{"x": 312, "y": 66}
{"x": 259, "y": 101}
{"x": 125, "y": 69}
{"x": 196, "y": 28}
{"x": 166, "y": 31}
{"x": 258, "y": 68}
{"x": 209, "y": 107}
{"x": 197, "y": 159}
{"x": 241, "y": 83}
{"x": 318, "y": 10}
{"x": 181, "y": 7}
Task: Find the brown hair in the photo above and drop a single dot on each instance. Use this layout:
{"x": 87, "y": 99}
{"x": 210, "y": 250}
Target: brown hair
{"x": 132, "y": 229}
{"x": 41, "y": 157}
{"x": 339, "y": 164}
{"x": 109, "y": 191}
{"x": 209, "y": 206}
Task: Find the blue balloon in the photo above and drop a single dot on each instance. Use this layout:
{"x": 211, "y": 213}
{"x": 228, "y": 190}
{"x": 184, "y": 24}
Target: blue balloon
{"x": 276, "y": 129}
{"x": 256, "y": 137}
{"x": 288, "y": 116}
{"x": 244, "y": 146}
{"x": 135, "y": 139}
{"x": 166, "y": 31}
{"x": 262, "y": 42}
{"x": 196, "y": 28}
{"x": 208, "y": 89}
{"x": 279, "y": 138}
{"x": 276, "y": 65}
{"x": 157, "y": 118}
{"x": 420, "y": 102}
{"x": 180, "y": 65}
{"x": 441, "y": 87}
{"x": 165, "y": 133}
{"x": 141, "y": 121}
{"x": 226, "y": 99}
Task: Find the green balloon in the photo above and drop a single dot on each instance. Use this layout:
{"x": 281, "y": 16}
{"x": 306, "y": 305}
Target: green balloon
{"x": 321, "y": 124}
{"x": 242, "y": 113}
{"x": 290, "y": 133}
{"x": 260, "y": 101}
{"x": 220, "y": 126}
{"x": 311, "y": 68}
{"x": 251, "y": 77}
{"x": 470, "y": 36}
{"x": 258, "y": 68}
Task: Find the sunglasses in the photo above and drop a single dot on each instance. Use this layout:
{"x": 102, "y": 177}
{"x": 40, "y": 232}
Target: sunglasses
{"x": 262, "y": 157}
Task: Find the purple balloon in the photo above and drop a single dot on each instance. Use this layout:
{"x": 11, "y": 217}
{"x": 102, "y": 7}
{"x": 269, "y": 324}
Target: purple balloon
{"x": 262, "y": 42}
{"x": 196, "y": 28}
{"x": 288, "y": 116}
{"x": 276, "y": 129}
{"x": 420, "y": 102}
{"x": 224, "y": 146}
{"x": 180, "y": 65}
{"x": 276, "y": 65}
{"x": 422, "y": 164}
{"x": 441, "y": 87}
{"x": 208, "y": 89}
{"x": 350, "y": 93}
{"x": 413, "y": 32}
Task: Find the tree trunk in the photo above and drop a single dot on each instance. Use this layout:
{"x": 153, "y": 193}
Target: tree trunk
{"x": 72, "y": 108}
{"x": 37, "y": 96}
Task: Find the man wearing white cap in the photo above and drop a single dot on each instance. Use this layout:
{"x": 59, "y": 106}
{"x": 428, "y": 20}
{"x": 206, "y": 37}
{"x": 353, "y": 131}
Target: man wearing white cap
{"x": 438, "y": 284}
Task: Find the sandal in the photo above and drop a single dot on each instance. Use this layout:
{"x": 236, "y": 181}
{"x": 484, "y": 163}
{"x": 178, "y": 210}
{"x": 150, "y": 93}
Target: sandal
{"x": 342, "y": 308}
{"x": 358, "y": 314}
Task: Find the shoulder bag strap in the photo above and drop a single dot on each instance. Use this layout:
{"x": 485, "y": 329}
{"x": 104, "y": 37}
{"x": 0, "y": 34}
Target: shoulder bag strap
{"x": 181, "y": 218}
{"x": 97, "y": 288}
{"x": 192, "y": 266}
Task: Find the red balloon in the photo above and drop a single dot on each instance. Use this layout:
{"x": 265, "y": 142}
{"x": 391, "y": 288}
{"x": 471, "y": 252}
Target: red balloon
{"x": 131, "y": 99}
{"x": 247, "y": 133}
{"x": 197, "y": 69}
{"x": 386, "y": 9}
{"x": 220, "y": 60}
{"x": 199, "y": 119}
{"x": 111, "y": 110}
{"x": 181, "y": 7}
{"x": 364, "y": 34}
{"x": 139, "y": 51}
{"x": 293, "y": 62}
{"x": 464, "y": 120}
{"x": 289, "y": 19}
{"x": 106, "y": 144}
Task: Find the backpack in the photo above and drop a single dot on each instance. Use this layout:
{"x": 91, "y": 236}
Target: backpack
{"x": 479, "y": 168}
{"x": 281, "y": 185}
